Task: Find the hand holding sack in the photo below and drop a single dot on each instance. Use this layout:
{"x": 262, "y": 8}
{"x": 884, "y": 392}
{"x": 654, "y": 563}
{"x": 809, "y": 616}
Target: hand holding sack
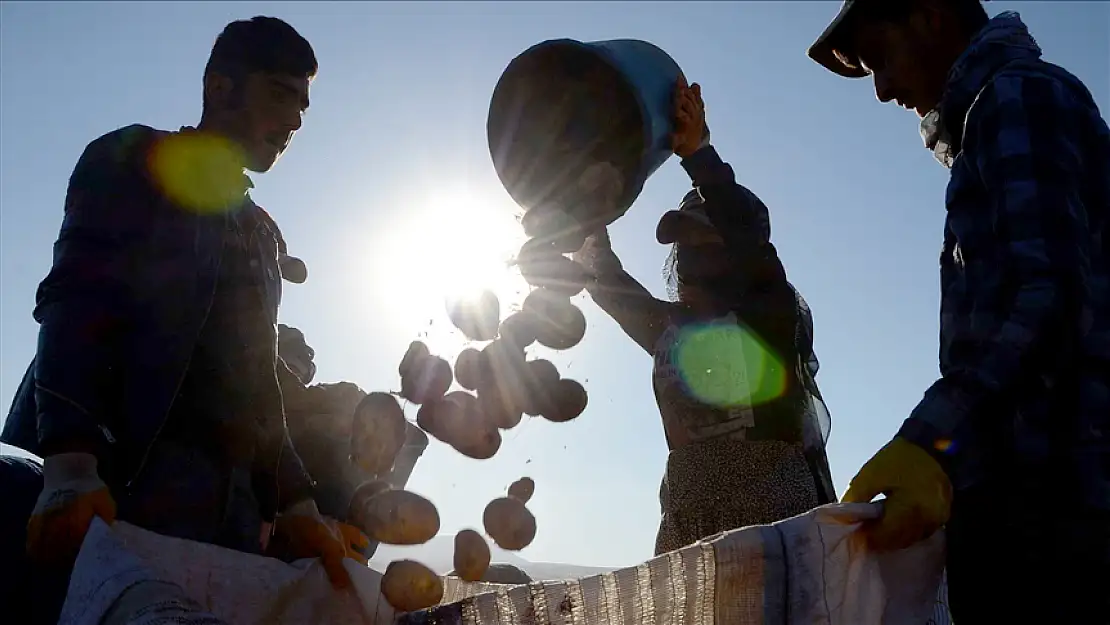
{"x": 307, "y": 534}
{"x": 918, "y": 495}
{"x": 72, "y": 495}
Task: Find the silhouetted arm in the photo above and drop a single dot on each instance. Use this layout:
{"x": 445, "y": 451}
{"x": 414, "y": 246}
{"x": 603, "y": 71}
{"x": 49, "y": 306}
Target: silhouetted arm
{"x": 642, "y": 317}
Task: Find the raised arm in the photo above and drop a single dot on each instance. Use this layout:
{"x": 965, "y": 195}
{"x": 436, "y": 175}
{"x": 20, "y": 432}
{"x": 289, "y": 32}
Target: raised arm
{"x": 642, "y": 317}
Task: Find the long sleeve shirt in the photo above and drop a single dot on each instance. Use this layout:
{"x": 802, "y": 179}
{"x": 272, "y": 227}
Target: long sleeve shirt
{"x": 1025, "y": 283}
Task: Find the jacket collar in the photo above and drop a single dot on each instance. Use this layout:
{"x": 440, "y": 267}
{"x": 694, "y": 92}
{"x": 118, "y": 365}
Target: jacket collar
{"x": 1003, "y": 40}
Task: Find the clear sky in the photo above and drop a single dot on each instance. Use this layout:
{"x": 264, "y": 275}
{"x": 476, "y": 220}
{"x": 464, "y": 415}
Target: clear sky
{"x": 388, "y": 192}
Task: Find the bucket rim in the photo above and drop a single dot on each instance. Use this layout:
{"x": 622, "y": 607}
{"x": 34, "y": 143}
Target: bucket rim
{"x": 631, "y": 192}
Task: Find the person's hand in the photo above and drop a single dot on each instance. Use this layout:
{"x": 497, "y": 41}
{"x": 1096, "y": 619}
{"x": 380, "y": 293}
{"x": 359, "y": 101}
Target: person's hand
{"x": 690, "y": 132}
{"x": 307, "y": 534}
{"x": 353, "y": 540}
{"x": 596, "y": 254}
{"x": 918, "y": 495}
{"x": 72, "y": 495}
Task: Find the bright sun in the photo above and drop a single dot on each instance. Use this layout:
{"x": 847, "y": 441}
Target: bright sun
{"x": 447, "y": 245}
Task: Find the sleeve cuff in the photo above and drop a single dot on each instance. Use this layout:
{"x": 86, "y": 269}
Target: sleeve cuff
{"x": 932, "y": 424}
{"x": 706, "y": 167}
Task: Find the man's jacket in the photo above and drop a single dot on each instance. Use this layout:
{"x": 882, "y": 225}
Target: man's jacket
{"x": 1025, "y": 277}
{"x": 133, "y": 277}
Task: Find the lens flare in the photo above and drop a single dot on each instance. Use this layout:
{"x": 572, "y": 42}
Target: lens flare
{"x": 727, "y": 365}
{"x": 198, "y": 172}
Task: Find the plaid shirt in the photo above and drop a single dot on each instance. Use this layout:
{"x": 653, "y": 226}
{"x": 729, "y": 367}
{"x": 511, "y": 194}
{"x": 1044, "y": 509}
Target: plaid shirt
{"x": 1025, "y": 279}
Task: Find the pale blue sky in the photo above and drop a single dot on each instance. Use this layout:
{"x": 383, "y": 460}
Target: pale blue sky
{"x": 384, "y": 189}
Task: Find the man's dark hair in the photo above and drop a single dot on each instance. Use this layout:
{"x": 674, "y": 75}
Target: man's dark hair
{"x": 261, "y": 44}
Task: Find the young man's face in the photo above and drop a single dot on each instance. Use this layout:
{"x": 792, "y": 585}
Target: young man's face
{"x": 262, "y": 114}
{"x": 274, "y": 105}
{"x": 905, "y": 60}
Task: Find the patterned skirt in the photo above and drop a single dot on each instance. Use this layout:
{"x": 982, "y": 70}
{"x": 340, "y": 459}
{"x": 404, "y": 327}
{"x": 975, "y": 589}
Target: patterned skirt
{"x": 719, "y": 485}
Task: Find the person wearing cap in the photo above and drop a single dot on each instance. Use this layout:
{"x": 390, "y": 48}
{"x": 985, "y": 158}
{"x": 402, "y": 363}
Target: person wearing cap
{"x": 1010, "y": 448}
{"x": 153, "y": 397}
{"x": 734, "y": 367}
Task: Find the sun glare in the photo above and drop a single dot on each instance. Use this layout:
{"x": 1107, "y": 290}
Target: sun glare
{"x": 447, "y": 246}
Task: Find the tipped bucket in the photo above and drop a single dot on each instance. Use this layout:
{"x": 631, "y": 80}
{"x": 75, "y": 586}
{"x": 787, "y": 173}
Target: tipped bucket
{"x": 575, "y": 129}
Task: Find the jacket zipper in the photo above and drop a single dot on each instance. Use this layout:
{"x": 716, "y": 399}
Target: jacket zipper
{"x": 180, "y": 380}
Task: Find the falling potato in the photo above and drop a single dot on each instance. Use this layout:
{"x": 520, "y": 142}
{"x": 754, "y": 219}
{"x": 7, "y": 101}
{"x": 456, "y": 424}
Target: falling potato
{"x": 561, "y": 324}
{"x": 465, "y": 427}
{"x": 536, "y": 249}
{"x": 481, "y": 443}
{"x": 472, "y": 555}
{"x": 477, "y": 317}
{"x": 398, "y": 517}
{"x": 506, "y": 377}
{"x": 509, "y": 523}
{"x": 499, "y": 410}
{"x": 428, "y": 380}
{"x": 432, "y": 416}
{"x": 468, "y": 368}
{"x": 558, "y": 274}
{"x": 378, "y": 433}
{"x": 547, "y": 222}
{"x": 499, "y": 357}
{"x": 540, "y": 379}
{"x": 416, "y": 352}
{"x": 568, "y": 401}
{"x": 409, "y": 586}
{"x": 522, "y": 489}
{"x": 362, "y": 495}
{"x": 519, "y": 329}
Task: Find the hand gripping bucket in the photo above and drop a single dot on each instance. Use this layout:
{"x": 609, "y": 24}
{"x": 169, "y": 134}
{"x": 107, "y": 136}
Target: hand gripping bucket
{"x": 575, "y": 129}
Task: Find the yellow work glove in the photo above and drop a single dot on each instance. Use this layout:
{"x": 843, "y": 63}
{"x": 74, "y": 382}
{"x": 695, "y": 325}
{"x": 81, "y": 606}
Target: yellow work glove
{"x": 309, "y": 535}
{"x": 918, "y": 495}
{"x": 71, "y": 496}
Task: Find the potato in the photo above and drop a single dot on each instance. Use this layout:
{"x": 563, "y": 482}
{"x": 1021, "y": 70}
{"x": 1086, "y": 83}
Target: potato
{"x": 409, "y": 586}
{"x": 480, "y": 443}
{"x": 546, "y": 222}
{"x": 459, "y": 415}
{"x": 469, "y": 368}
{"x": 500, "y": 357}
{"x": 507, "y": 374}
{"x": 561, "y": 324}
{"x": 378, "y": 433}
{"x": 477, "y": 317}
{"x": 499, "y": 410}
{"x": 294, "y": 270}
{"x": 540, "y": 378}
{"x": 568, "y": 401}
{"x": 427, "y": 381}
{"x": 557, "y": 274}
{"x": 472, "y": 556}
{"x": 519, "y": 329}
{"x": 431, "y": 417}
{"x": 362, "y": 495}
{"x": 466, "y": 428}
{"x": 398, "y": 517}
{"x": 416, "y": 352}
{"x": 509, "y": 523}
{"x": 537, "y": 249}
{"x": 522, "y": 489}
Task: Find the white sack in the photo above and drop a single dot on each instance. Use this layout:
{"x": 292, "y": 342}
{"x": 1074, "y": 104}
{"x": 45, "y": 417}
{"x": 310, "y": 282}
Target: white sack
{"x": 812, "y": 569}
{"x": 237, "y": 588}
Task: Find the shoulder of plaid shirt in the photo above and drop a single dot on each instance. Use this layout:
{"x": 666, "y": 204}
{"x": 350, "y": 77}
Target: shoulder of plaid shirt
{"x": 1036, "y": 156}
